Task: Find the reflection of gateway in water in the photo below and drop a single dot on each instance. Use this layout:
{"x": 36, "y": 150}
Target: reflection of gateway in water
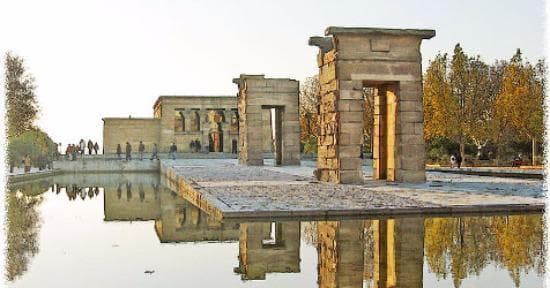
{"x": 268, "y": 248}
{"x": 397, "y": 253}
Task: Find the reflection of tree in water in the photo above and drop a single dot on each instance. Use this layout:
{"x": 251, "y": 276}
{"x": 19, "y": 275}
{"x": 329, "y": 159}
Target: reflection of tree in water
{"x": 23, "y": 225}
{"x": 520, "y": 244}
{"x": 464, "y": 246}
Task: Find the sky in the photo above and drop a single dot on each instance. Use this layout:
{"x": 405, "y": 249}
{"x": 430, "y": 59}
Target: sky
{"x": 95, "y": 59}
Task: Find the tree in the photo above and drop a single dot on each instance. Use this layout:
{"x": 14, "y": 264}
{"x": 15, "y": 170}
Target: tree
{"x": 519, "y": 103}
{"x": 459, "y": 81}
{"x": 368, "y": 116}
{"x": 500, "y": 130}
{"x": 309, "y": 114}
{"x": 35, "y": 143}
{"x": 478, "y": 104}
{"x": 21, "y": 104}
{"x": 440, "y": 108}
{"x": 22, "y": 228}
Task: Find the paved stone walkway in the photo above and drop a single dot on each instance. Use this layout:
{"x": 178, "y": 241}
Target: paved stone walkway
{"x": 246, "y": 191}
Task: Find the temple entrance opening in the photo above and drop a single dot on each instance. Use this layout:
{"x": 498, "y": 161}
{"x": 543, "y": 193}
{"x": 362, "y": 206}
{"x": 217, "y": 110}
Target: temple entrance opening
{"x": 272, "y": 127}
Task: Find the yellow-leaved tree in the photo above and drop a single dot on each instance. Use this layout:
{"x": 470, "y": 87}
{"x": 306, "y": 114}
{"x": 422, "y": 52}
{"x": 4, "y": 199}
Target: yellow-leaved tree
{"x": 519, "y": 104}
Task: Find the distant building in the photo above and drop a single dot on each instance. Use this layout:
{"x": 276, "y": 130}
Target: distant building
{"x": 211, "y": 121}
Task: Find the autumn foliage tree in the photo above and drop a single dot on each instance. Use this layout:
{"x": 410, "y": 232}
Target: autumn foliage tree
{"x": 472, "y": 103}
{"x": 309, "y": 115}
{"x": 21, "y": 111}
{"x": 519, "y": 104}
{"x": 21, "y": 102}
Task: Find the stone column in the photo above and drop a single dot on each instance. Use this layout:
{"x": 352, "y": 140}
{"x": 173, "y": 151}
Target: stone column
{"x": 204, "y": 127}
{"x": 226, "y": 126}
{"x": 409, "y": 132}
{"x": 185, "y": 114}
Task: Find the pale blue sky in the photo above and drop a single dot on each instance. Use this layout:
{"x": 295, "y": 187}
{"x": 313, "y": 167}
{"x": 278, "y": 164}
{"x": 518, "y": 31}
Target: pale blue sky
{"x": 95, "y": 59}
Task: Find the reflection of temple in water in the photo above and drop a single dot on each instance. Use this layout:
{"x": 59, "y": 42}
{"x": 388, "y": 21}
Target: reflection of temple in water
{"x": 127, "y": 201}
{"x": 351, "y": 253}
{"x": 181, "y": 221}
{"x": 397, "y": 253}
{"x": 266, "y": 247}
{"x": 176, "y": 220}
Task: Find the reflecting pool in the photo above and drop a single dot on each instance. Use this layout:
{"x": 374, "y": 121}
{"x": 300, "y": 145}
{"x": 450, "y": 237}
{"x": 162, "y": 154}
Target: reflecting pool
{"x": 128, "y": 230}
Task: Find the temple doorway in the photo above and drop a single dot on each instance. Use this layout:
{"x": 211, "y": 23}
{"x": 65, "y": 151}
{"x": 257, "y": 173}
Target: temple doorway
{"x": 380, "y": 115}
{"x": 274, "y": 134}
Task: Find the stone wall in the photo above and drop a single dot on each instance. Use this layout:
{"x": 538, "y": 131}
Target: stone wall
{"x": 389, "y": 60}
{"x": 257, "y": 93}
{"x": 178, "y": 119}
{"x": 122, "y": 130}
{"x": 100, "y": 164}
{"x": 193, "y": 109}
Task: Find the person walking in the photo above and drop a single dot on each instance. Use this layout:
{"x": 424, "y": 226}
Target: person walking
{"x": 118, "y": 150}
{"x": 68, "y": 152}
{"x": 12, "y": 163}
{"x": 173, "y": 150}
{"x": 96, "y": 147}
{"x": 458, "y": 160}
{"x": 90, "y": 146}
{"x": 141, "y": 149}
{"x": 82, "y": 146}
{"x": 154, "y": 152}
{"x": 27, "y": 163}
{"x": 453, "y": 161}
{"x": 128, "y": 151}
{"x": 56, "y": 151}
{"x": 74, "y": 152}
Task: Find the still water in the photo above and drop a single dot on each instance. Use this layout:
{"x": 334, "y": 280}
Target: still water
{"x": 128, "y": 230}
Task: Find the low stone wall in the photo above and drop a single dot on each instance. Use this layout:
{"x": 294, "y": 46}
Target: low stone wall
{"x": 17, "y": 178}
{"x": 191, "y": 191}
{"x": 492, "y": 171}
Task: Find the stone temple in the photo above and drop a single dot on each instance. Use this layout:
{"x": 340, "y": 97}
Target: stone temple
{"x": 194, "y": 123}
{"x": 264, "y": 116}
{"x": 211, "y": 123}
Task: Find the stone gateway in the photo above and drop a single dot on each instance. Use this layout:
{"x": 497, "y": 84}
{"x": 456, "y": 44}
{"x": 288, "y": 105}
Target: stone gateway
{"x": 279, "y": 97}
{"x": 388, "y": 60}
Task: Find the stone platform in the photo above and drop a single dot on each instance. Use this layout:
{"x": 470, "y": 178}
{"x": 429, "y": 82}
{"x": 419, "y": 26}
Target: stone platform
{"x": 227, "y": 190}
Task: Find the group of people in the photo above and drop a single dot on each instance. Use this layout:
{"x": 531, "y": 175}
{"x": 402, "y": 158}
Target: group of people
{"x": 141, "y": 151}
{"x": 40, "y": 161}
{"x": 456, "y": 161}
{"x": 74, "y": 149}
{"x": 74, "y": 191}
